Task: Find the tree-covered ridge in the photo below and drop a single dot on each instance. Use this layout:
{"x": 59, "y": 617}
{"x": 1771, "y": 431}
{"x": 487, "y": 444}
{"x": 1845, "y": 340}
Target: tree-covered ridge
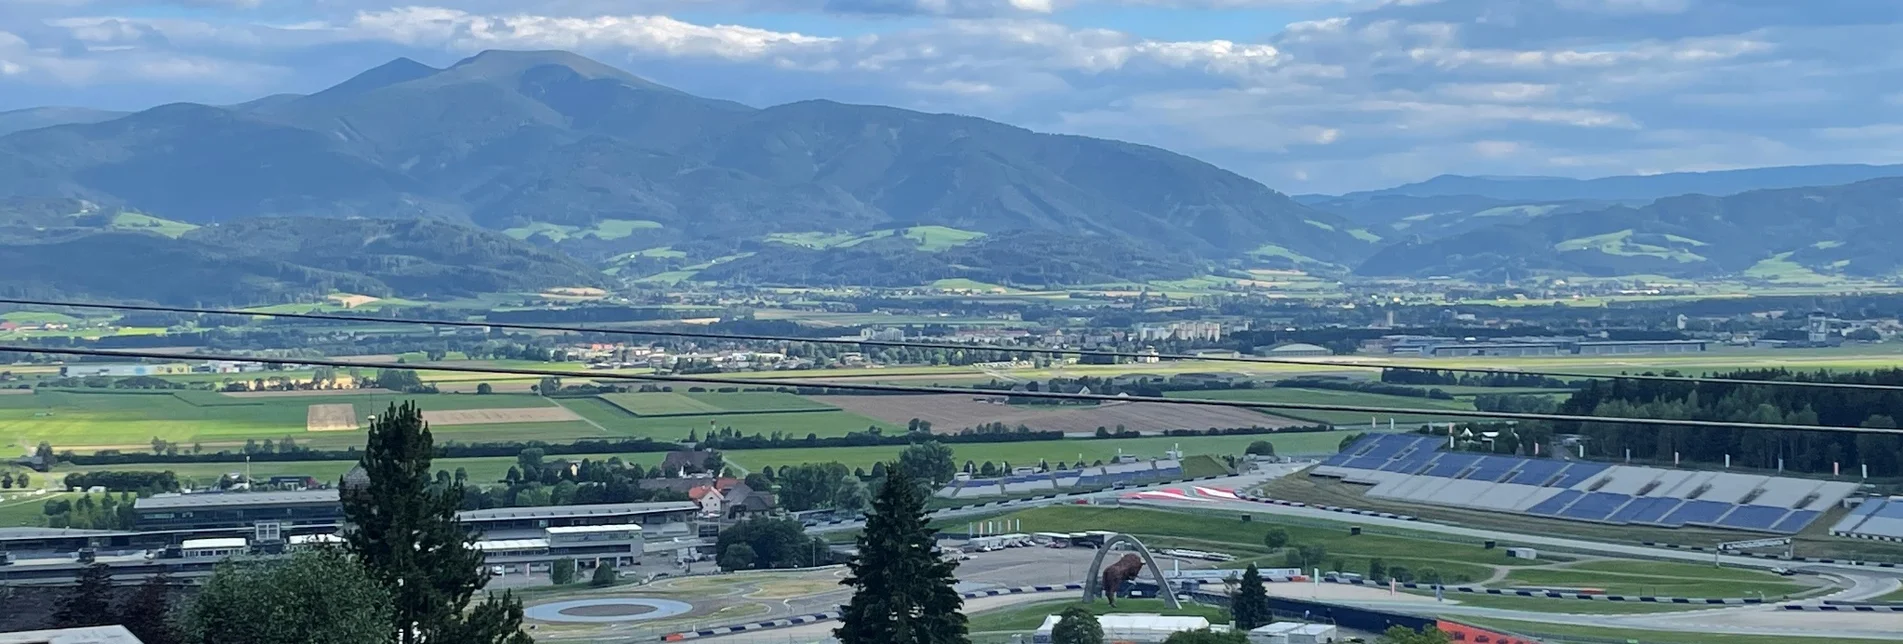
{"x": 276, "y": 260}
{"x": 1030, "y": 258}
{"x": 1805, "y": 451}
{"x": 1844, "y": 229}
{"x": 519, "y": 139}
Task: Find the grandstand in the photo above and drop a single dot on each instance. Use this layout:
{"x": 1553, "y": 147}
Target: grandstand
{"x": 1410, "y": 467}
{"x": 1876, "y": 519}
{"x": 1089, "y": 477}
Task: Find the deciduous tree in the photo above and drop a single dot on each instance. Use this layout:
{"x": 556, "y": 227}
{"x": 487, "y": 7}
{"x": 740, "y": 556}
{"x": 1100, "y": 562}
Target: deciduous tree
{"x": 1077, "y": 625}
{"x": 313, "y": 597}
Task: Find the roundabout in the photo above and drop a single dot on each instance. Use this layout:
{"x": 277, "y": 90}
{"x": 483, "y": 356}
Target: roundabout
{"x": 611, "y": 609}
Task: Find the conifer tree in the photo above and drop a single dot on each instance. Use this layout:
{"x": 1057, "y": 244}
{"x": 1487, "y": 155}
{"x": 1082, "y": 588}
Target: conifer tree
{"x": 1250, "y": 604}
{"x": 902, "y": 587}
{"x": 89, "y": 602}
{"x": 403, "y": 529}
{"x": 148, "y": 612}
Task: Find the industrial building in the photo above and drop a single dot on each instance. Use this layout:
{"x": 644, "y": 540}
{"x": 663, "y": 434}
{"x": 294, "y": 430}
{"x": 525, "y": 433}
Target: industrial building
{"x": 121, "y": 370}
{"x": 237, "y": 510}
{"x": 1631, "y": 347}
{"x": 1501, "y": 349}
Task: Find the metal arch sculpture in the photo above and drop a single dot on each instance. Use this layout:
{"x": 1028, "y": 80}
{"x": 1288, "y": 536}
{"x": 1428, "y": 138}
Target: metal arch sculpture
{"x": 1108, "y": 586}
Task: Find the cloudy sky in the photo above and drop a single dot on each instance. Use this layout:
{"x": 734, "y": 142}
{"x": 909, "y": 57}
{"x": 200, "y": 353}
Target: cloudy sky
{"x": 1304, "y": 95}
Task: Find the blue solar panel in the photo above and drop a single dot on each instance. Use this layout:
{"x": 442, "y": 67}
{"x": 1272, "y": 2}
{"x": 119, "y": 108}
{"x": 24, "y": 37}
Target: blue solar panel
{"x": 1536, "y": 472}
{"x": 1754, "y": 517}
{"x": 1451, "y": 465}
{"x": 1796, "y": 521}
{"x": 1697, "y": 512}
{"x": 1579, "y": 473}
{"x": 1553, "y": 505}
{"x": 1595, "y": 505}
{"x": 1493, "y": 467}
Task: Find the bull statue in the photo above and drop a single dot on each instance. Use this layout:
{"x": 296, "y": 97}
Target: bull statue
{"x": 1115, "y": 574}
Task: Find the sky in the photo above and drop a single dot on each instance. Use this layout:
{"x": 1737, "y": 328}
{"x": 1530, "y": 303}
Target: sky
{"x": 1306, "y": 96}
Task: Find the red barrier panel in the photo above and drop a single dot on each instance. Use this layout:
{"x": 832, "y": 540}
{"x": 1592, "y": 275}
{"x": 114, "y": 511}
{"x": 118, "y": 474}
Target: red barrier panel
{"x": 1476, "y": 635}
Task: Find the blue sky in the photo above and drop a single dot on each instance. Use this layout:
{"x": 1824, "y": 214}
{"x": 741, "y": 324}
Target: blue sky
{"x": 1303, "y": 95}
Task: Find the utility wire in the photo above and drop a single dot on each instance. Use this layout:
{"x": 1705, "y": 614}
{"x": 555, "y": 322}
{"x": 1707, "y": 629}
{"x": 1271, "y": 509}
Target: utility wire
{"x": 916, "y": 389}
{"x": 749, "y": 337}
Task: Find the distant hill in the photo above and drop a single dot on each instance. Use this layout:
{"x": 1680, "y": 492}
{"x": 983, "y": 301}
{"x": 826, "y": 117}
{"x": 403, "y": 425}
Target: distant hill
{"x": 568, "y": 153}
{"x": 74, "y": 249}
{"x": 1769, "y": 234}
{"x": 1630, "y": 188}
{"x": 39, "y": 117}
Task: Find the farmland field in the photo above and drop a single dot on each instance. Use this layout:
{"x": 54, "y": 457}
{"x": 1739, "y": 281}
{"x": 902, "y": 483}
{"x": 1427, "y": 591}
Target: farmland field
{"x": 23, "y": 510}
{"x": 479, "y": 468}
{"x": 84, "y": 420}
{"x": 620, "y": 422}
{"x": 950, "y": 413}
{"x": 1333, "y": 397}
{"x": 710, "y": 403}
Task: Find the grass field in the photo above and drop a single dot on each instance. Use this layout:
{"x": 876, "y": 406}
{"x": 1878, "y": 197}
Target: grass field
{"x": 1635, "y": 635}
{"x": 711, "y": 403}
{"x": 1663, "y": 580}
{"x": 84, "y": 420}
{"x": 1229, "y": 534}
{"x": 25, "y": 511}
{"x": 1027, "y": 617}
{"x": 620, "y": 422}
{"x": 482, "y": 469}
{"x": 1030, "y": 452}
{"x": 1333, "y": 397}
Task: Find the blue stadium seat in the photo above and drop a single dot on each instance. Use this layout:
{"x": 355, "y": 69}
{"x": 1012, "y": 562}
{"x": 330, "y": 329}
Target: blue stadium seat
{"x": 1536, "y": 472}
{"x": 1580, "y": 473}
{"x": 1552, "y": 506}
{"x": 1451, "y": 465}
{"x": 1702, "y": 512}
{"x": 1645, "y": 510}
{"x": 1754, "y": 517}
{"x": 1595, "y": 506}
{"x": 1493, "y": 467}
{"x": 1796, "y": 521}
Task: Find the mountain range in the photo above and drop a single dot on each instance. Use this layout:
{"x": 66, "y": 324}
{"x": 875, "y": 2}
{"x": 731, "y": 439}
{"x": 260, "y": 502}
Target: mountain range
{"x": 597, "y": 163}
{"x": 529, "y": 170}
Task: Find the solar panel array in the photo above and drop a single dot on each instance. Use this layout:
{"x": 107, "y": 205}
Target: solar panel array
{"x": 1880, "y": 519}
{"x": 1410, "y": 467}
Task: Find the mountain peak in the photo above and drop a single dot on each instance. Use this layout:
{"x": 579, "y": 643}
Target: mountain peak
{"x": 499, "y": 64}
{"x": 401, "y": 70}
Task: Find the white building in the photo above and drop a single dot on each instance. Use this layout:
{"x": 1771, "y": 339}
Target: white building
{"x": 1137, "y": 628}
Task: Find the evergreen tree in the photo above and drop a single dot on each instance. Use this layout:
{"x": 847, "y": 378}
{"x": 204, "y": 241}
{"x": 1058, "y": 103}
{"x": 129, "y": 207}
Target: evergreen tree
{"x": 89, "y": 601}
{"x": 1250, "y": 604}
{"x": 902, "y": 588}
{"x": 405, "y": 533}
{"x": 562, "y": 572}
{"x": 1077, "y": 625}
{"x": 148, "y": 613}
{"x": 604, "y": 576}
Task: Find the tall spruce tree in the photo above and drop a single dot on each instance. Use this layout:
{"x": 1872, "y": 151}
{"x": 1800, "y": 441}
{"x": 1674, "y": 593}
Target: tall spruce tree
{"x": 148, "y": 613}
{"x": 902, "y": 588}
{"x": 89, "y": 602}
{"x": 403, "y": 529}
{"x": 1250, "y": 604}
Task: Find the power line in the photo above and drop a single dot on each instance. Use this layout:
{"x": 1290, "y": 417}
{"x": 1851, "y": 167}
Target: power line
{"x": 917, "y": 389}
{"x": 750, "y": 337}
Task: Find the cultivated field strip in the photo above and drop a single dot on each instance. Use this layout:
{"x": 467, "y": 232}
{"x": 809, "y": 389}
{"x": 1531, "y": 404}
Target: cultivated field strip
{"x": 950, "y": 413}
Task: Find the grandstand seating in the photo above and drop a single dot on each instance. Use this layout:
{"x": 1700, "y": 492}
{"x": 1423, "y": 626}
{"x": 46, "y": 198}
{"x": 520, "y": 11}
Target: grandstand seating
{"x": 1410, "y": 467}
{"x": 1880, "y": 519}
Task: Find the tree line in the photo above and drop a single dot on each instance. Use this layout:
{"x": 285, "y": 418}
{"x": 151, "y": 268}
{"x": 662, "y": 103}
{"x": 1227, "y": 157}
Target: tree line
{"x": 1804, "y": 451}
